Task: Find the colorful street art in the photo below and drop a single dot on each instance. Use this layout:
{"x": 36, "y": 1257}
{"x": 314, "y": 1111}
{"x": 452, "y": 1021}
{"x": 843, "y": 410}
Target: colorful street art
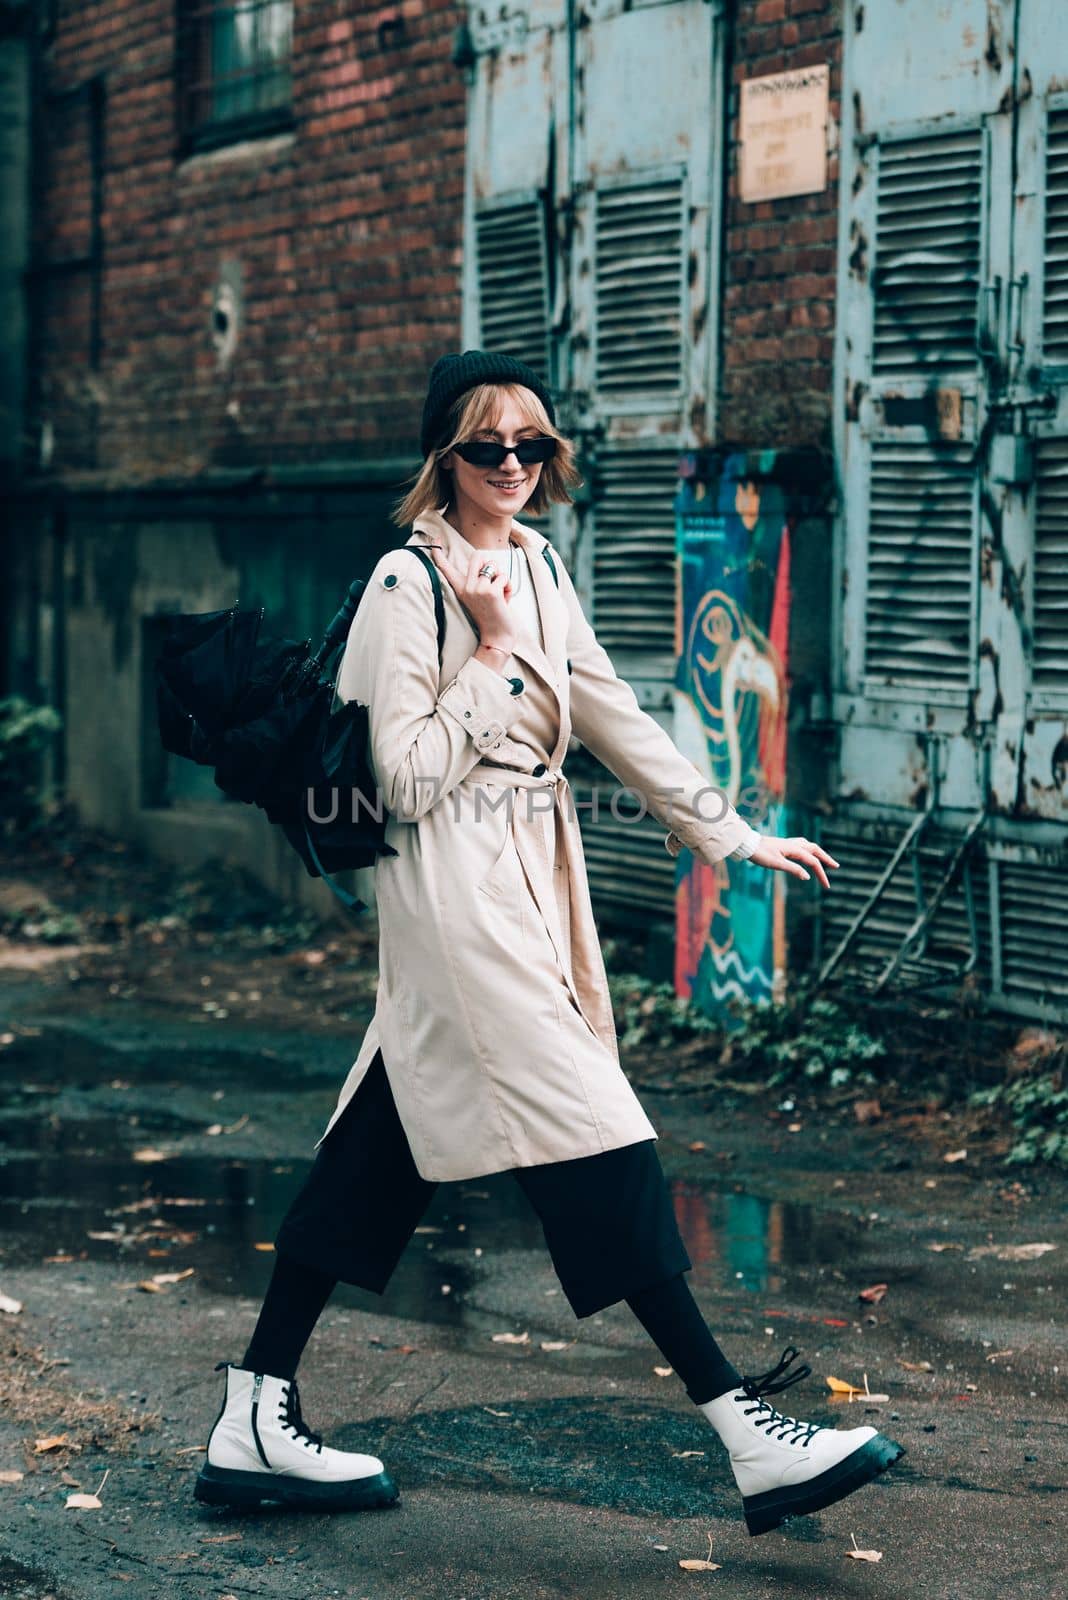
{"x": 731, "y": 637}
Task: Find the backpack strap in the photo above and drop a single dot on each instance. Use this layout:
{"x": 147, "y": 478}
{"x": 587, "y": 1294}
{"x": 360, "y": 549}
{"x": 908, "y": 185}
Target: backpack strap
{"x": 435, "y": 584}
{"x": 547, "y": 553}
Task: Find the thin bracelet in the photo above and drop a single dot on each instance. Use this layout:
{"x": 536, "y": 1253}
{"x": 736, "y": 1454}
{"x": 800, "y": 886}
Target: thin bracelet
{"x": 486, "y": 646}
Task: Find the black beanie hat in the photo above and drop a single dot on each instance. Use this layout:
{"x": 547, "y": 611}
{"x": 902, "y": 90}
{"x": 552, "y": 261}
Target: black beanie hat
{"x": 452, "y": 375}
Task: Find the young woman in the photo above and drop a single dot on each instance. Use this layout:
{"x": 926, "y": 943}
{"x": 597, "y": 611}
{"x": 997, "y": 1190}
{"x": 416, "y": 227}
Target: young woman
{"x": 492, "y": 1047}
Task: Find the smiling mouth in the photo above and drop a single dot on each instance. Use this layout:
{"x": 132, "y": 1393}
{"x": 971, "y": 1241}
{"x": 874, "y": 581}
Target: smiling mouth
{"x": 510, "y": 483}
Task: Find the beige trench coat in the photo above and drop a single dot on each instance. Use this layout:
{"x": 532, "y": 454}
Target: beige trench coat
{"x": 493, "y": 1013}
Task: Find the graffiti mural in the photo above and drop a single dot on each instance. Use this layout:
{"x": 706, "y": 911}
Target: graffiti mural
{"x": 732, "y": 632}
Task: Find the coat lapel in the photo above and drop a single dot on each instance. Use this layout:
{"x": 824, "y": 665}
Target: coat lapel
{"x": 549, "y": 662}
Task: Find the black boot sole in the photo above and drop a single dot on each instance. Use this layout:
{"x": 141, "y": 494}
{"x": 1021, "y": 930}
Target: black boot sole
{"x": 763, "y": 1512}
{"x": 226, "y": 1486}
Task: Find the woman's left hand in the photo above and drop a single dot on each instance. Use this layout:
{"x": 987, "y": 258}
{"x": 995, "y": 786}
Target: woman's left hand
{"x": 784, "y": 855}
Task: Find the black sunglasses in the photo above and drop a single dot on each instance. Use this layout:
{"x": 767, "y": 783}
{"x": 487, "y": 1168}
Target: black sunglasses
{"x": 487, "y": 453}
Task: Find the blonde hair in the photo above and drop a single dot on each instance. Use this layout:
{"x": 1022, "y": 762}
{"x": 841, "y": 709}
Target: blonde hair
{"x": 473, "y": 411}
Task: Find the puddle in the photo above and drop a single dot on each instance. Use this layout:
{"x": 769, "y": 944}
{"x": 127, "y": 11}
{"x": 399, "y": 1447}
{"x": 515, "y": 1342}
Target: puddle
{"x": 212, "y": 1212}
{"x": 74, "y": 1109}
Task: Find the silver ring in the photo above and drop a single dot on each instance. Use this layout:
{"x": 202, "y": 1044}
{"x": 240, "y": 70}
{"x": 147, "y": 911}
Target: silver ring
{"x": 486, "y": 571}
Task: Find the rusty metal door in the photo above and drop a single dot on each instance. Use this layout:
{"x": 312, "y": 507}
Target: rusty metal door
{"x": 593, "y": 200}
{"x": 952, "y": 362}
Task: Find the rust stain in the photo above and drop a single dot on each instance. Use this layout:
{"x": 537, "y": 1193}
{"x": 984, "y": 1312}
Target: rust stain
{"x": 992, "y": 53}
{"x": 987, "y": 652}
{"x": 854, "y": 397}
{"x": 986, "y": 561}
{"x": 858, "y": 255}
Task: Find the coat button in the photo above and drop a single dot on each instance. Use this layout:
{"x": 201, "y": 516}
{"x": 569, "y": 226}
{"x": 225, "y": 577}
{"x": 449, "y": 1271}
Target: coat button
{"x": 540, "y": 770}
{"x": 517, "y": 685}
{"x": 389, "y": 580}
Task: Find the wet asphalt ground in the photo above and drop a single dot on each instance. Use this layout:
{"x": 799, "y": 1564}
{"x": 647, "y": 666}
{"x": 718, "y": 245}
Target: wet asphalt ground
{"x": 524, "y": 1471}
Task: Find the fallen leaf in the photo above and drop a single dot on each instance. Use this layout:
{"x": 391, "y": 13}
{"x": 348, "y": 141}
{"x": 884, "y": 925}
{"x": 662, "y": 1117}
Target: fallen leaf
{"x": 148, "y": 1154}
{"x": 58, "y": 1258}
{"x": 873, "y": 1295}
{"x": 663, "y": 1372}
{"x": 510, "y": 1338}
{"x": 221, "y": 1538}
{"x": 681, "y": 1455}
{"x": 267, "y": 1246}
{"x": 867, "y": 1110}
{"x": 659, "y": 1546}
{"x": 54, "y": 1441}
{"x": 997, "y": 1355}
{"x": 697, "y": 1146}
{"x": 12, "y": 1307}
{"x": 215, "y": 1128}
{"x": 149, "y": 1287}
{"x": 938, "y": 1248}
{"x": 917, "y": 1366}
{"x": 191, "y": 1449}
{"x": 87, "y": 1502}
{"x": 1010, "y": 1252}
{"x": 173, "y": 1277}
{"x": 863, "y": 1555}
{"x": 706, "y": 1564}
{"x": 9, "y": 1475}
{"x": 955, "y": 1155}
{"x": 496, "y": 1413}
{"x": 556, "y": 1344}
{"x": 849, "y": 1391}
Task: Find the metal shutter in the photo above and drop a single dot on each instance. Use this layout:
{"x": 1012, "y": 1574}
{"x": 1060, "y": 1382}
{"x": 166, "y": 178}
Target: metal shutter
{"x": 640, "y": 288}
{"x": 1050, "y": 659}
{"x": 1033, "y": 903}
{"x": 926, "y": 278}
{"x": 1055, "y": 295}
{"x": 513, "y": 281}
{"x": 634, "y": 552}
{"x": 921, "y": 516}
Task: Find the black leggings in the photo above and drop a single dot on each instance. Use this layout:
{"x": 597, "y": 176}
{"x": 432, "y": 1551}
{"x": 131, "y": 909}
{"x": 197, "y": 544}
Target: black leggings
{"x": 667, "y": 1311}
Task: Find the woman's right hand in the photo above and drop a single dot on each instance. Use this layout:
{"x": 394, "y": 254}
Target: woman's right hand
{"x": 485, "y": 599}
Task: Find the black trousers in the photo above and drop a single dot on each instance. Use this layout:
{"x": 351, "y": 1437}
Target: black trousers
{"x": 608, "y": 1219}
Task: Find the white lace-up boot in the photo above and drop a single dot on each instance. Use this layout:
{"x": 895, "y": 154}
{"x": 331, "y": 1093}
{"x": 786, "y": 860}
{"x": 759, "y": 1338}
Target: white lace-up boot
{"x": 260, "y": 1449}
{"x": 785, "y": 1468}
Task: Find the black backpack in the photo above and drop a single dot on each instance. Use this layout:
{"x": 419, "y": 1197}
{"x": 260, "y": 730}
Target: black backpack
{"x": 263, "y": 714}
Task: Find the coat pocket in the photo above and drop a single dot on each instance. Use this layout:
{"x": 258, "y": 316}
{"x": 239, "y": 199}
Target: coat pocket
{"x": 504, "y": 875}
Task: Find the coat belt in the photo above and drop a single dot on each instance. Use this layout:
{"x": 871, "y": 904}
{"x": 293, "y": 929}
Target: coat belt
{"x": 568, "y": 833}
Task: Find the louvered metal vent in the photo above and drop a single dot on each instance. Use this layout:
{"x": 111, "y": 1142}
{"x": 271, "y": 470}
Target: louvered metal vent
{"x": 640, "y": 282}
{"x": 634, "y": 552}
{"x": 926, "y": 277}
{"x": 1034, "y": 914}
{"x": 632, "y": 877}
{"x": 1051, "y": 566}
{"x": 1055, "y": 297}
{"x": 863, "y": 854}
{"x": 513, "y": 282}
{"x": 920, "y": 543}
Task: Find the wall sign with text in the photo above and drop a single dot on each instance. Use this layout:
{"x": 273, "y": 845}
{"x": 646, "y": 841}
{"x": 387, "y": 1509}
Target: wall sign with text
{"x": 783, "y": 134}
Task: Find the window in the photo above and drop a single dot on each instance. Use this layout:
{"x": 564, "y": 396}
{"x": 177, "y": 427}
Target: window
{"x": 234, "y": 78}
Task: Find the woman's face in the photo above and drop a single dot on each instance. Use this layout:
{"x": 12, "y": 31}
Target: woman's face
{"x": 498, "y": 491}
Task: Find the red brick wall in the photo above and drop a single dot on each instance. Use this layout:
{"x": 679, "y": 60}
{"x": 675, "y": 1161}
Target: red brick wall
{"x": 346, "y": 235}
{"x": 779, "y": 267}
